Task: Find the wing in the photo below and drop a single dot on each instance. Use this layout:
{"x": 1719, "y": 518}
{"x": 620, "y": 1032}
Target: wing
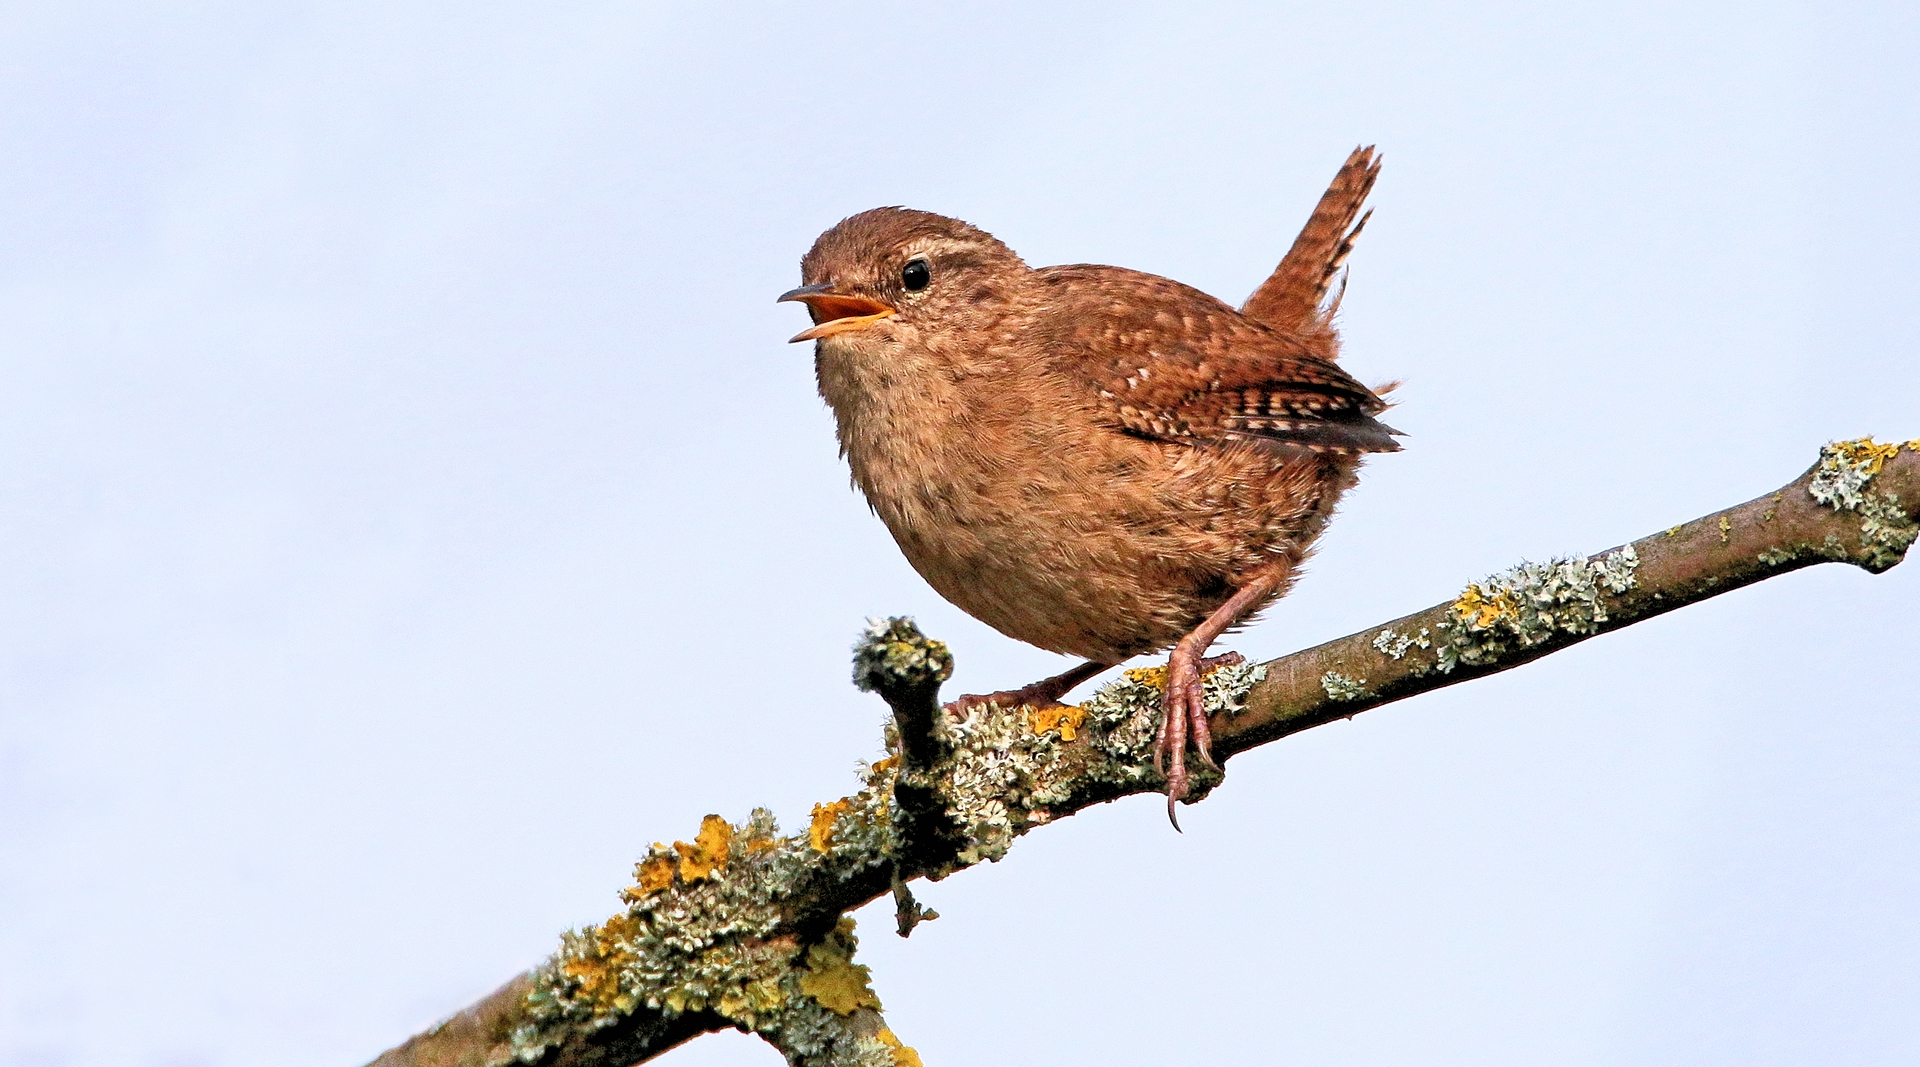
{"x": 1170, "y": 362}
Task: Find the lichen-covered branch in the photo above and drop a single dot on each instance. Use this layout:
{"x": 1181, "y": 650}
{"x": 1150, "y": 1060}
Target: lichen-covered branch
{"x": 746, "y": 927}
{"x": 1857, "y": 505}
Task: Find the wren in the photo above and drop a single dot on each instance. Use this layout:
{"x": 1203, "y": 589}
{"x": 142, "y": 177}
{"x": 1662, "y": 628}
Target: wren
{"x": 1094, "y": 460}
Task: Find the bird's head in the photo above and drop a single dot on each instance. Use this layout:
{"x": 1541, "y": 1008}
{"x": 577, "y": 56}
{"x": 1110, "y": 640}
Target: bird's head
{"x": 885, "y": 273}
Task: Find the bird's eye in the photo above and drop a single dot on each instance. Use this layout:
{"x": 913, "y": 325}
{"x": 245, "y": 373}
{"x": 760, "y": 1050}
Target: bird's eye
{"x": 916, "y": 275}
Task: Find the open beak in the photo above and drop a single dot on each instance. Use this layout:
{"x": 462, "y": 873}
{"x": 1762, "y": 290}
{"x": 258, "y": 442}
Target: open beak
{"x": 835, "y": 312}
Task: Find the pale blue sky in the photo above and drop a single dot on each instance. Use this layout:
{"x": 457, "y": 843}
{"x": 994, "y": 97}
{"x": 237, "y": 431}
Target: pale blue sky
{"x": 409, "y": 509}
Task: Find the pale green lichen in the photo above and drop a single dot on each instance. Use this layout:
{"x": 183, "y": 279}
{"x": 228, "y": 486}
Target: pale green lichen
{"x": 996, "y": 762}
{"x": 1886, "y": 531}
{"x": 1843, "y": 481}
{"x": 1226, "y": 688}
{"x": 1005, "y": 775}
{"x": 1394, "y": 646}
{"x": 1774, "y": 557}
{"x": 1343, "y": 688}
{"x": 713, "y": 944}
{"x": 894, "y": 649}
{"x": 702, "y": 926}
{"x": 1124, "y": 716}
{"x": 865, "y": 831}
{"x": 1530, "y": 604}
{"x": 812, "y": 1036}
{"x": 679, "y": 947}
{"x": 1844, "y": 470}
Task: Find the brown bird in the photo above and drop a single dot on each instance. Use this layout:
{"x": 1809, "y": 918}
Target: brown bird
{"x": 1097, "y": 461}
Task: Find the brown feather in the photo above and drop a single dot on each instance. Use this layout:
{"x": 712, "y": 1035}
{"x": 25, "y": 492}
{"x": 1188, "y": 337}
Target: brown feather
{"x": 1293, "y": 298}
{"x": 1170, "y": 362}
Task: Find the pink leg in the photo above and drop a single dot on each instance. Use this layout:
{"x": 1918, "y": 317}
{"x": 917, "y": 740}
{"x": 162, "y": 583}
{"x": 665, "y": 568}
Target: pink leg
{"x": 1042, "y": 694}
{"x": 1184, "y": 712}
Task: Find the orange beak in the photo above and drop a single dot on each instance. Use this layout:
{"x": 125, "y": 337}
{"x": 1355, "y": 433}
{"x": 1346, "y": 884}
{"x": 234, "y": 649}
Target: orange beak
{"x": 835, "y": 312}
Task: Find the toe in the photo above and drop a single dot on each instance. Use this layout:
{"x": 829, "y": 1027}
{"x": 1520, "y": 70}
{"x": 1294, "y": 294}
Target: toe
{"x": 1202, "y": 733}
{"x": 1177, "y": 787}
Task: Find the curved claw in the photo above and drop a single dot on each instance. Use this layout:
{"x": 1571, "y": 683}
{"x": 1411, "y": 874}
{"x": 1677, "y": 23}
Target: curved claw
{"x": 1171, "y": 750}
{"x": 1184, "y": 714}
{"x": 1177, "y": 720}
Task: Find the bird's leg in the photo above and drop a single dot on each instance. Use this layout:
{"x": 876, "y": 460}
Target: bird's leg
{"x": 1183, "y": 698}
{"x": 1045, "y": 693}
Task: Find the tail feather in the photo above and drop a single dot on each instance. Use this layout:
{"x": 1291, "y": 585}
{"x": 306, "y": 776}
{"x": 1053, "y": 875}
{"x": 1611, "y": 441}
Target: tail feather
{"x": 1293, "y": 298}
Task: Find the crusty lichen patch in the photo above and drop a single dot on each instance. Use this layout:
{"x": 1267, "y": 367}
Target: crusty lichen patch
{"x": 1774, "y": 557}
{"x": 1886, "y": 532}
{"x": 1064, "y": 719}
{"x": 1845, "y": 469}
{"x": 903, "y": 1056}
{"x": 1343, "y": 688}
{"x": 895, "y": 649}
{"x": 708, "y": 939}
{"x": 833, "y": 980}
{"x": 1527, "y": 605}
{"x": 1394, "y": 646}
{"x": 825, "y": 818}
{"x": 704, "y": 919}
{"x": 1009, "y": 770}
{"x": 1843, "y": 482}
{"x": 707, "y": 856}
{"x": 702, "y": 931}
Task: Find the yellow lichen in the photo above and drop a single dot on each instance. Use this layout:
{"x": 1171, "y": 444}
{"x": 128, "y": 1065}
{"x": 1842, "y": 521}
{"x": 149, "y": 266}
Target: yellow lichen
{"x": 1157, "y": 676}
{"x": 653, "y": 874}
{"x": 820, "y": 834}
{"x": 1914, "y": 445}
{"x": 1865, "y": 452}
{"x": 1674, "y": 531}
{"x": 882, "y": 766}
{"x": 680, "y": 999}
{"x": 833, "y": 979}
{"x": 598, "y": 971}
{"x": 707, "y": 856}
{"x": 1480, "y": 611}
{"x": 758, "y": 839}
{"x": 903, "y": 1055}
{"x": 1062, "y": 717}
{"x": 1726, "y": 530}
{"x": 752, "y": 1000}
{"x": 1153, "y": 676}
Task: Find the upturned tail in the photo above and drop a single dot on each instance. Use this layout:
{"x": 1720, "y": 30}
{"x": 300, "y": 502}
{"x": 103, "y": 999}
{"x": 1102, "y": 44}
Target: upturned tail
{"x": 1293, "y": 299}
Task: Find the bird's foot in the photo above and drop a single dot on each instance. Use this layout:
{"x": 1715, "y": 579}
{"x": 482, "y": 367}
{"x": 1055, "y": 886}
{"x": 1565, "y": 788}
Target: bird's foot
{"x": 1184, "y": 718}
{"x": 1041, "y": 695}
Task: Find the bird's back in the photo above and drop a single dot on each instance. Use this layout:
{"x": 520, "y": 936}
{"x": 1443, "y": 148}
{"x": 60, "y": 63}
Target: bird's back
{"x": 1116, "y": 488}
{"x": 1168, "y": 361}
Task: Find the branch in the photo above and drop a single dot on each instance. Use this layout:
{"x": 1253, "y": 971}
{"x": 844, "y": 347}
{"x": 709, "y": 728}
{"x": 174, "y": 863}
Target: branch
{"x": 747, "y": 928}
{"x": 1857, "y": 505}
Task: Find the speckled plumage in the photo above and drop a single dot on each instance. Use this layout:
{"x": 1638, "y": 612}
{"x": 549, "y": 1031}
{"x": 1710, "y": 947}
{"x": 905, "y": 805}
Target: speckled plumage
{"x": 1089, "y": 459}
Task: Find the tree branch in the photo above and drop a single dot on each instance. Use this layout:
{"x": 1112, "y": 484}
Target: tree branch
{"x": 746, "y": 928}
{"x": 1857, "y": 505}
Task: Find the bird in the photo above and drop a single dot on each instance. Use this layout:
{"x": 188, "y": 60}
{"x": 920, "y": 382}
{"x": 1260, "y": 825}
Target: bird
{"x": 1097, "y": 461}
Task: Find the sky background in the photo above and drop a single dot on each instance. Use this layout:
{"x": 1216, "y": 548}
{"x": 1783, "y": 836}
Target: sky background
{"x": 410, "y": 508}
